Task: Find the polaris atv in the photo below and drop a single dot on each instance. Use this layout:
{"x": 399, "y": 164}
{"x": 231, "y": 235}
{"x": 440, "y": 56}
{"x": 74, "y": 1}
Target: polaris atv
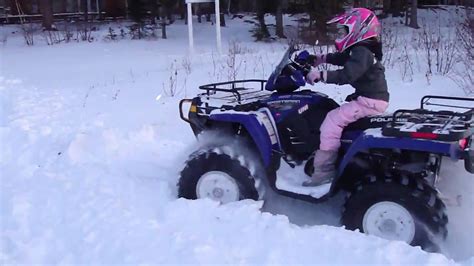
{"x": 388, "y": 164}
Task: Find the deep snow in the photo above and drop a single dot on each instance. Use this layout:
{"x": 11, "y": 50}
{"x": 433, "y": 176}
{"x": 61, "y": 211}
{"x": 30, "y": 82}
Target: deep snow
{"x": 92, "y": 144}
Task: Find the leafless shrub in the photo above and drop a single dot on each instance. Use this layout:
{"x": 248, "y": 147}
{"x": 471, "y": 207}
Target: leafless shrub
{"x": 237, "y": 48}
{"x": 116, "y": 94}
{"x": 214, "y": 64}
{"x": 111, "y": 35}
{"x": 445, "y": 51}
{"x": 84, "y": 31}
{"x": 67, "y": 33}
{"x": 427, "y": 39}
{"x": 29, "y": 30}
{"x": 86, "y": 96}
{"x": 259, "y": 66}
{"x": 184, "y": 86}
{"x": 406, "y": 64}
{"x": 172, "y": 89}
{"x": 417, "y": 50}
{"x": 390, "y": 41}
{"x": 217, "y": 68}
{"x": 52, "y": 37}
{"x": 463, "y": 75}
{"x": 464, "y": 78}
{"x": 233, "y": 61}
{"x": 440, "y": 49}
{"x": 186, "y": 64}
{"x": 136, "y": 31}
{"x": 139, "y": 31}
{"x": 123, "y": 34}
{"x": 465, "y": 35}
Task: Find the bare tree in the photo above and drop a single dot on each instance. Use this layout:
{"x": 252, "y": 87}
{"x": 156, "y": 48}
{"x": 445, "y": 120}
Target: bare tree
{"x": 46, "y": 7}
{"x": 414, "y": 14}
{"x": 396, "y": 8}
{"x": 386, "y": 6}
{"x": 279, "y": 18}
{"x": 63, "y": 4}
{"x": 261, "y": 19}
{"x": 154, "y": 11}
{"x": 85, "y": 5}
{"x": 163, "y": 27}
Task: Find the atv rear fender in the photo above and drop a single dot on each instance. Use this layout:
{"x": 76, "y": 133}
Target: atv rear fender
{"x": 373, "y": 138}
{"x": 260, "y": 126}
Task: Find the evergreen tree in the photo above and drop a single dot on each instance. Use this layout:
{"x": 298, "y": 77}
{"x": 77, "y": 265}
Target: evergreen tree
{"x": 137, "y": 10}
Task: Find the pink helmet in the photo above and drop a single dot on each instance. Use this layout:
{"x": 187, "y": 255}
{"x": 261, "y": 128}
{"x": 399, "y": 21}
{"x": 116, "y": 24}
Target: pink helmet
{"x": 354, "y": 26}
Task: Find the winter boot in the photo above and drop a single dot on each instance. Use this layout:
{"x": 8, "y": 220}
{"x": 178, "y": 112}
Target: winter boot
{"x": 324, "y": 168}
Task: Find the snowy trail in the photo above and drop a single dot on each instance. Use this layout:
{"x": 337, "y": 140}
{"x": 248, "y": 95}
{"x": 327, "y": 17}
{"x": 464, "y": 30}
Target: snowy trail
{"x": 81, "y": 186}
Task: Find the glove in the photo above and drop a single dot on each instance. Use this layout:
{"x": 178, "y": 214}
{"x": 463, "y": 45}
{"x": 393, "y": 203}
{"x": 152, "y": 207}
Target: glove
{"x": 318, "y": 59}
{"x": 313, "y": 76}
{"x": 303, "y": 57}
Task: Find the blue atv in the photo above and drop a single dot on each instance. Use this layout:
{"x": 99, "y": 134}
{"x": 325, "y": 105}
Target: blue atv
{"x": 263, "y": 133}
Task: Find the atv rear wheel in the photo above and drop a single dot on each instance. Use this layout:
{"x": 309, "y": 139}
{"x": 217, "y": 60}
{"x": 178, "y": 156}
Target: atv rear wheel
{"x": 397, "y": 208}
{"x": 219, "y": 174}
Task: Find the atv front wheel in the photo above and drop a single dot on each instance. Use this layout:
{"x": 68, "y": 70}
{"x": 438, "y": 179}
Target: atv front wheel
{"x": 221, "y": 175}
{"x": 397, "y": 208}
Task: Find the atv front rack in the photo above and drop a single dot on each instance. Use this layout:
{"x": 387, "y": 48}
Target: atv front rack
{"x": 236, "y": 95}
{"x": 435, "y": 125}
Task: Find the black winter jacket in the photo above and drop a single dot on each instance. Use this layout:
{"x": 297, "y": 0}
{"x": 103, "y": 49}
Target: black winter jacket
{"x": 362, "y": 70}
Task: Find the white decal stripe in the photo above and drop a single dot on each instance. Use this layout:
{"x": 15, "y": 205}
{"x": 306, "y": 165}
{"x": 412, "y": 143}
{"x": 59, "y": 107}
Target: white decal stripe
{"x": 273, "y": 133}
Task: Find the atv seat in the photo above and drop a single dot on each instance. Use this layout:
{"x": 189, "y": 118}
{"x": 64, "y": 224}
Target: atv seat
{"x": 364, "y": 123}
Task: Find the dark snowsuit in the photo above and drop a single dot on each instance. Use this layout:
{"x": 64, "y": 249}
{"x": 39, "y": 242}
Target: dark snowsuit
{"x": 362, "y": 69}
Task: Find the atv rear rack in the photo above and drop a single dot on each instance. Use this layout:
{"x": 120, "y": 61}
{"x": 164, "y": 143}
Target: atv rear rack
{"x": 434, "y": 125}
{"x": 447, "y": 101}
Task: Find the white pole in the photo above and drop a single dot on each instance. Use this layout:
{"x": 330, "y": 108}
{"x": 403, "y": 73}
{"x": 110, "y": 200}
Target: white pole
{"x": 218, "y": 27}
{"x": 97, "y": 6}
{"x": 190, "y": 28}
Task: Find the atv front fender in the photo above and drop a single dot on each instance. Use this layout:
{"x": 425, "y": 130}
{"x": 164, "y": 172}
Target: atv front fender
{"x": 259, "y": 125}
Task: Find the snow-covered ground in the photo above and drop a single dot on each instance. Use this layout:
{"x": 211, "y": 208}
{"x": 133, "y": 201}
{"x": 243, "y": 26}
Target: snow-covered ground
{"x": 92, "y": 144}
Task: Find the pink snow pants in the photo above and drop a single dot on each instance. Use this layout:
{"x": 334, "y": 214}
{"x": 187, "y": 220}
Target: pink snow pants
{"x": 337, "y": 119}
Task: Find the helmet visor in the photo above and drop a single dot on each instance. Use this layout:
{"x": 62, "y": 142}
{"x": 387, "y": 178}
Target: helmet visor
{"x": 341, "y": 32}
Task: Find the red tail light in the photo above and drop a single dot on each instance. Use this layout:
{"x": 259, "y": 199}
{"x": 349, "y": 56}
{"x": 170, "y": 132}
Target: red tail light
{"x": 463, "y": 144}
{"x": 424, "y": 135}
